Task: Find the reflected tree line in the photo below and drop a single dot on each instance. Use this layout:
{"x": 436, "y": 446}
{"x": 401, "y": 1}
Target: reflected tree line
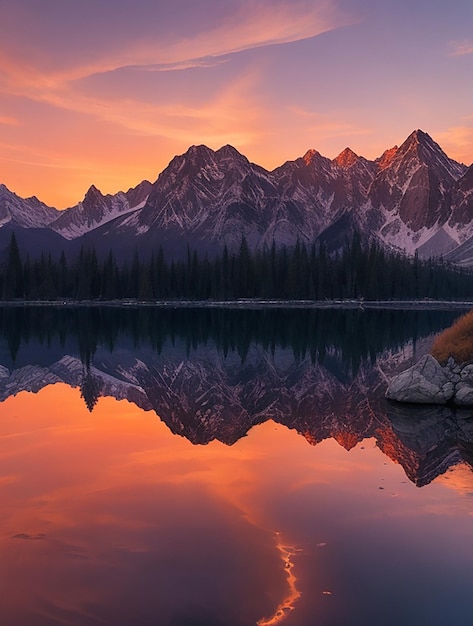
{"x": 353, "y": 335}
{"x": 301, "y": 272}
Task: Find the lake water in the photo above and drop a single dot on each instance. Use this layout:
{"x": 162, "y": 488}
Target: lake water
{"x": 228, "y": 468}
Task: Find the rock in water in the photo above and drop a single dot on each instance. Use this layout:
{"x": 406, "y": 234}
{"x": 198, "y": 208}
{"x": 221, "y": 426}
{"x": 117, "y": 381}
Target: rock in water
{"x": 425, "y": 382}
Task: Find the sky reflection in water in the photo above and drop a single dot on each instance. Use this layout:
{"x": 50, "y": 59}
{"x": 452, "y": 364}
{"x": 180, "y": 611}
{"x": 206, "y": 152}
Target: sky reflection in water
{"x": 109, "y": 518}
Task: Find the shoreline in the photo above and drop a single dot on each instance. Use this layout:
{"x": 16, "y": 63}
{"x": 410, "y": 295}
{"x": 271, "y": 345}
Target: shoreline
{"x": 247, "y": 304}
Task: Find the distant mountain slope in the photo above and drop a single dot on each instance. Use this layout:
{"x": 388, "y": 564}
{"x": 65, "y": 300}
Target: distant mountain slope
{"x": 24, "y": 212}
{"x": 412, "y": 198}
{"x": 97, "y": 209}
{"x": 33, "y": 242}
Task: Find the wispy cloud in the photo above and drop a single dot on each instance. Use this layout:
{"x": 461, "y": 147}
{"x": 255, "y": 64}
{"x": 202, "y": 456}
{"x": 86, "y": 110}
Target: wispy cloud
{"x": 190, "y": 64}
{"x": 56, "y": 163}
{"x": 248, "y": 26}
{"x": 8, "y": 121}
{"x": 459, "y": 49}
{"x": 44, "y": 157}
{"x": 257, "y": 25}
{"x": 232, "y": 115}
{"x": 458, "y": 142}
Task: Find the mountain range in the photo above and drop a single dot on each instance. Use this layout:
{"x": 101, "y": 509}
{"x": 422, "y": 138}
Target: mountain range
{"x": 413, "y": 198}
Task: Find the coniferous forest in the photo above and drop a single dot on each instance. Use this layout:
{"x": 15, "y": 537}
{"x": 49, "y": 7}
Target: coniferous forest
{"x": 298, "y": 273}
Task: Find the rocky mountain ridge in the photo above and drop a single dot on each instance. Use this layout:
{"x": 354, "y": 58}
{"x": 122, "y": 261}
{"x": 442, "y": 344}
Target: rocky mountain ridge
{"x": 412, "y": 198}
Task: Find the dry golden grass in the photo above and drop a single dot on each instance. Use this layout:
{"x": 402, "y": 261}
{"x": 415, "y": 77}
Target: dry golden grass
{"x": 456, "y": 341}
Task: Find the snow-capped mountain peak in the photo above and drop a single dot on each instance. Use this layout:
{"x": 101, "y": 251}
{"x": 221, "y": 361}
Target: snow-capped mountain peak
{"x": 97, "y": 209}
{"x": 413, "y": 197}
{"x": 24, "y": 212}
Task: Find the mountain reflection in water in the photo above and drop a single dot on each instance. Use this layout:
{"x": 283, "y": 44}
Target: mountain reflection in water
{"x": 215, "y": 374}
{"x": 109, "y": 518}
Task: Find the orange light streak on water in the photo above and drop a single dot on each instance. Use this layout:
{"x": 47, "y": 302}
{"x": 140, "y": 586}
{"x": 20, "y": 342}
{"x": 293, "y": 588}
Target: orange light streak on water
{"x": 287, "y": 605}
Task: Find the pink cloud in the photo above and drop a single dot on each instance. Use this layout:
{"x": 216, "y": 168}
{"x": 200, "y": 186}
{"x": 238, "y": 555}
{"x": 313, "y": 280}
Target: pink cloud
{"x": 462, "y": 48}
{"x": 458, "y": 142}
{"x": 247, "y": 25}
{"x": 8, "y": 121}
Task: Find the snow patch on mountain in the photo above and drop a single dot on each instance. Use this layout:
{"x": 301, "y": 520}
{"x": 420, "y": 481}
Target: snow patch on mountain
{"x": 24, "y": 212}
{"x": 414, "y": 197}
{"x": 95, "y": 210}
{"x": 398, "y": 235}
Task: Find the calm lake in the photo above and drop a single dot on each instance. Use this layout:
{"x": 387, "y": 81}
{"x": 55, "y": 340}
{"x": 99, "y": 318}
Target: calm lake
{"x": 193, "y": 467}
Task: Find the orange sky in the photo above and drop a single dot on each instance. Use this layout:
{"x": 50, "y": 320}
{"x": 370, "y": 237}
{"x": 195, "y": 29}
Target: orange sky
{"x": 107, "y": 93}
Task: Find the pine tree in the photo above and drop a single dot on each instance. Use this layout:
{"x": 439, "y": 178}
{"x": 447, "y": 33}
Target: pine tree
{"x": 13, "y": 286}
{"x": 63, "y": 276}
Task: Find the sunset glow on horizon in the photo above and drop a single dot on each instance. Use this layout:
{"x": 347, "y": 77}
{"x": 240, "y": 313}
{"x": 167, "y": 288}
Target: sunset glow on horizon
{"x": 106, "y": 93}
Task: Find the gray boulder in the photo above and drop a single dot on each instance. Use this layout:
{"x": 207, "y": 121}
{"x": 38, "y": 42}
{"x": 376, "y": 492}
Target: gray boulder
{"x": 467, "y": 373}
{"x": 464, "y": 394}
{"x": 426, "y": 382}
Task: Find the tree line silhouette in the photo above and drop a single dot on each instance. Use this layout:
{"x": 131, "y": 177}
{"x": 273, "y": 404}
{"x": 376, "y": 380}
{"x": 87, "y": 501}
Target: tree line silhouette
{"x": 298, "y": 273}
{"x": 347, "y": 337}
